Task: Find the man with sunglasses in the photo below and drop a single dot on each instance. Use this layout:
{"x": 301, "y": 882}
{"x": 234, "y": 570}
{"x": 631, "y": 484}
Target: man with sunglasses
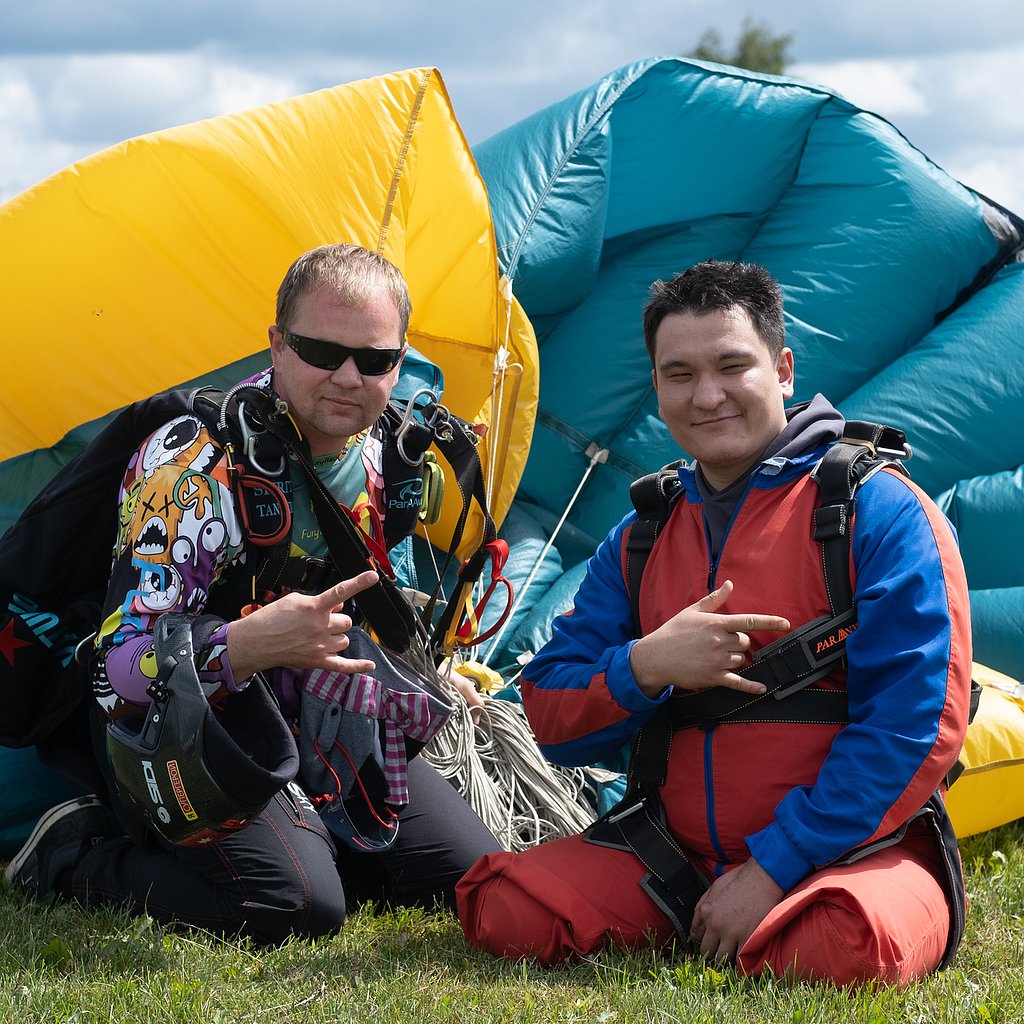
{"x": 336, "y": 346}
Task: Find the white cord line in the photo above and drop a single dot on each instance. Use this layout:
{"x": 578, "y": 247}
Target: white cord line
{"x": 597, "y": 456}
{"x": 500, "y": 771}
{"x": 498, "y": 388}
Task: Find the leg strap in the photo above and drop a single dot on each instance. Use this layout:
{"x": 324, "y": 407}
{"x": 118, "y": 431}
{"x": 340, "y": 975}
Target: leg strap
{"x": 636, "y": 825}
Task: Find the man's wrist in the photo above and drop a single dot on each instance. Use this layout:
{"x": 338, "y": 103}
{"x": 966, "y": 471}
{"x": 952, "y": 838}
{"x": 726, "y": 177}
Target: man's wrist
{"x": 640, "y": 668}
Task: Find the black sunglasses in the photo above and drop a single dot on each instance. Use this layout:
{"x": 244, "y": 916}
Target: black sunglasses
{"x": 328, "y": 355}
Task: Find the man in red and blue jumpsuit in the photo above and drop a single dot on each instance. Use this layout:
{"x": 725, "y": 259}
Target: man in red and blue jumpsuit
{"x": 763, "y": 810}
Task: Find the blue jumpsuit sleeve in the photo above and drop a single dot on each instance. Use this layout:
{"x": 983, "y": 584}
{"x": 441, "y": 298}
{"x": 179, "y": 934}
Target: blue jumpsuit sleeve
{"x": 908, "y": 681}
{"x": 579, "y": 692}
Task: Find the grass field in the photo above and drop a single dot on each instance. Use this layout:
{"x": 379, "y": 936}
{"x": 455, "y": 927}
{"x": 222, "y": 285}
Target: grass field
{"x": 59, "y": 963}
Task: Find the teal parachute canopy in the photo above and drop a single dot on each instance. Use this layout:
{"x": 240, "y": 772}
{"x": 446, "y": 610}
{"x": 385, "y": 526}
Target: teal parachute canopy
{"x": 904, "y": 298}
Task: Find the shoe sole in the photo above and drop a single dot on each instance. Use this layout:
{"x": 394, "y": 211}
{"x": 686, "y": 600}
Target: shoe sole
{"x": 52, "y": 815}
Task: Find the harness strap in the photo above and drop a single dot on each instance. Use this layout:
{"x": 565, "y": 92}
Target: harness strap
{"x": 384, "y": 606}
{"x": 787, "y": 668}
{"x": 863, "y": 449}
{"x": 403, "y": 450}
{"x": 636, "y": 825}
{"x": 458, "y": 445}
{"x": 811, "y": 705}
{"x": 653, "y": 497}
{"x": 934, "y": 817}
{"x": 306, "y": 574}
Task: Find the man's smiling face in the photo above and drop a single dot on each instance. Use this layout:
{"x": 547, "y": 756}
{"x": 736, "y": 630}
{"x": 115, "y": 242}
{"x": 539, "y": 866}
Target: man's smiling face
{"x": 720, "y": 391}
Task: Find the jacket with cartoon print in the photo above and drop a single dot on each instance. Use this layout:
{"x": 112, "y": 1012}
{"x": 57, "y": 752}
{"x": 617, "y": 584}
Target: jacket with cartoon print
{"x": 181, "y": 535}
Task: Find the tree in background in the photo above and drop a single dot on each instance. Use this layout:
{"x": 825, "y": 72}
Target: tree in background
{"x": 757, "y": 49}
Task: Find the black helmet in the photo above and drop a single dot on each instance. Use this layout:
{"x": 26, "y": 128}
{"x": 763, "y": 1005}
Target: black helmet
{"x": 192, "y": 775}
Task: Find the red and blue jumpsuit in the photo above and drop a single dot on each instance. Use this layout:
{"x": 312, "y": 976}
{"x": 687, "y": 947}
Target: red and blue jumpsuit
{"x": 794, "y": 796}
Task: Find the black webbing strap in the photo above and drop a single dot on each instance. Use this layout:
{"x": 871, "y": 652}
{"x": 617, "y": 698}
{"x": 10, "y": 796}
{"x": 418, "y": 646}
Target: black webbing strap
{"x": 402, "y": 469}
{"x": 653, "y": 497}
{"x": 384, "y": 606}
{"x": 306, "y": 574}
{"x": 672, "y": 882}
{"x": 863, "y": 447}
{"x": 637, "y": 824}
{"x": 787, "y": 668}
{"x": 833, "y": 519}
{"x": 957, "y": 770}
{"x": 458, "y": 445}
{"x": 937, "y": 818}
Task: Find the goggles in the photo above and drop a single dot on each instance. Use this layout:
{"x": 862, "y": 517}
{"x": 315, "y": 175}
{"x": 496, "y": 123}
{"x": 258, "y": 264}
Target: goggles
{"x": 328, "y": 355}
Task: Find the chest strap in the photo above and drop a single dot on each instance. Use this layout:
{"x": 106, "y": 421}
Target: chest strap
{"x": 787, "y": 667}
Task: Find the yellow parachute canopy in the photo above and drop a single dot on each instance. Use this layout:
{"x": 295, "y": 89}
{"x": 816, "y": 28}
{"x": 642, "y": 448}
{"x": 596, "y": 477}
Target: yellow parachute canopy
{"x": 990, "y": 790}
{"x": 157, "y": 261}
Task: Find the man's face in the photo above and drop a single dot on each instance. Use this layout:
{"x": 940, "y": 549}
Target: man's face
{"x": 330, "y": 406}
{"x": 720, "y": 392}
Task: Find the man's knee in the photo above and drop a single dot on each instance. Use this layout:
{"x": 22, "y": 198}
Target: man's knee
{"x": 543, "y": 904}
{"x": 323, "y": 913}
{"x": 829, "y": 943}
{"x": 500, "y": 917}
{"x": 300, "y": 910}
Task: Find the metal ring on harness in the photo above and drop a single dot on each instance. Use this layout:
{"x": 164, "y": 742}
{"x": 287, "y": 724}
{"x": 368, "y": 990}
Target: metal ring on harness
{"x": 249, "y": 436}
{"x": 408, "y": 419}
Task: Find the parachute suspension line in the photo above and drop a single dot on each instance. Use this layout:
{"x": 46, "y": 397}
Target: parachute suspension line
{"x": 496, "y": 765}
{"x": 433, "y": 560}
{"x": 597, "y": 456}
{"x": 501, "y": 367}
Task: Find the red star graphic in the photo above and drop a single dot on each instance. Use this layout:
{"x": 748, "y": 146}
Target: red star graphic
{"x": 9, "y": 643}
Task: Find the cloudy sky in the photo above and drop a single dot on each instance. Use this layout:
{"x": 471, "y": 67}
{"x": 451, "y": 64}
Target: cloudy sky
{"x": 77, "y": 76}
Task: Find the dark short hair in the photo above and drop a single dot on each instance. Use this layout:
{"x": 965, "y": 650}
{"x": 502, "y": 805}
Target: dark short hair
{"x": 715, "y": 284}
{"x": 353, "y": 274}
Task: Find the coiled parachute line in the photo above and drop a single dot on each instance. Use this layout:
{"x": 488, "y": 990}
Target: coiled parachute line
{"x": 496, "y": 765}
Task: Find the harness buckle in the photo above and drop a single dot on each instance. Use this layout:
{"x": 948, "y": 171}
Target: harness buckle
{"x": 250, "y": 438}
{"x": 429, "y": 412}
{"x": 313, "y": 569}
{"x": 639, "y": 804}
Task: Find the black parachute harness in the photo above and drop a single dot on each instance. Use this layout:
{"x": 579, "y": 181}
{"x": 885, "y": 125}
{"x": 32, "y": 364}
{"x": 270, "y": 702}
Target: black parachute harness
{"x": 267, "y": 439}
{"x": 788, "y": 668}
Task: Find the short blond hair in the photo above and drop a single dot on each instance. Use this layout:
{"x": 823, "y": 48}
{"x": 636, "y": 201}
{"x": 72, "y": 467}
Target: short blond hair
{"x": 354, "y": 274}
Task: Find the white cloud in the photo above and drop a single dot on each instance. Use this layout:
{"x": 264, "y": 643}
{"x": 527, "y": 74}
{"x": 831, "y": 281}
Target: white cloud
{"x": 892, "y": 88}
{"x": 18, "y": 108}
{"x": 961, "y": 109}
{"x": 143, "y": 92}
{"x": 986, "y": 88}
{"x": 54, "y": 111}
{"x": 996, "y": 172}
{"x": 26, "y": 154}
{"x": 89, "y": 73}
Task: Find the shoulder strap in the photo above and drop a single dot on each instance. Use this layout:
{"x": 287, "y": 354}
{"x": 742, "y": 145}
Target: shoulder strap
{"x": 863, "y": 449}
{"x": 257, "y": 470}
{"x": 383, "y": 605}
{"x": 653, "y": 497}
{"x": 404, "y": 444}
